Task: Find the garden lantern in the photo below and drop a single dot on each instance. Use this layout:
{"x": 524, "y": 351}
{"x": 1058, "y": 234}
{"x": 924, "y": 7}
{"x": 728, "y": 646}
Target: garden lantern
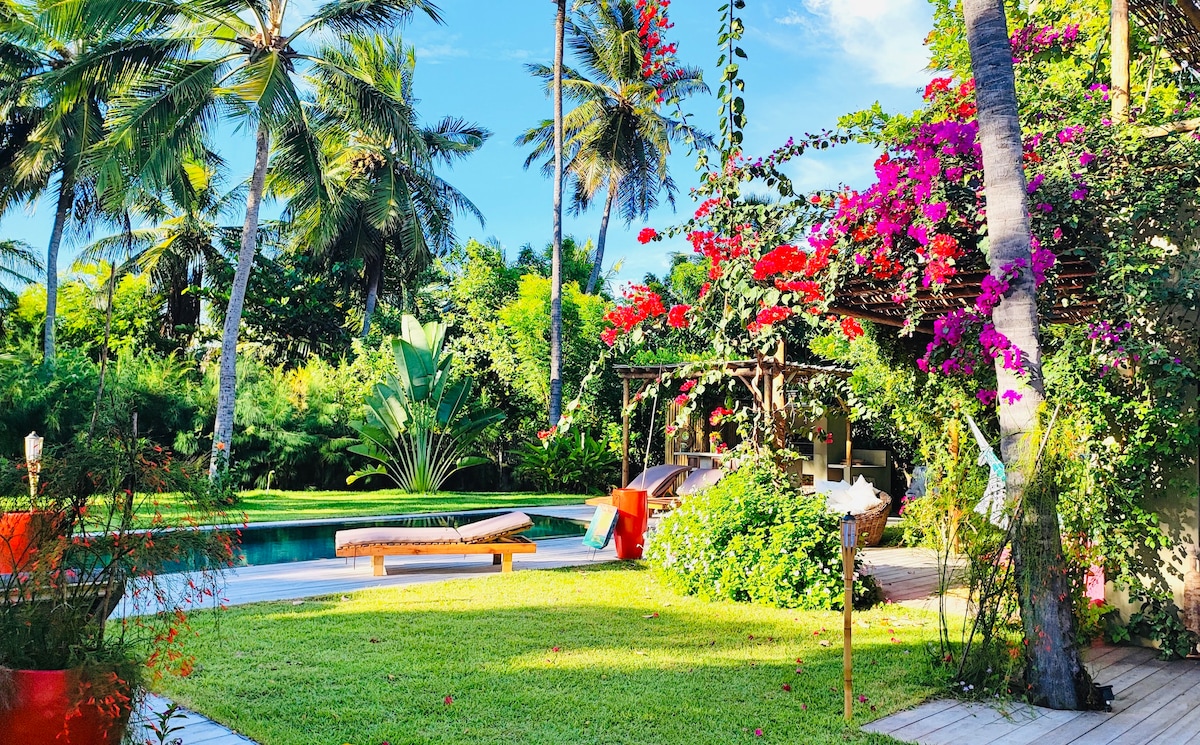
{"x": 33, "y": 460}
{"x": 849, "y": 546}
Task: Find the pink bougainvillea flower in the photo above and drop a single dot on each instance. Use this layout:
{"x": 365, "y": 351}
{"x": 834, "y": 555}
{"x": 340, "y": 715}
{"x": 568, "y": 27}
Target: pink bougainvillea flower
{"x": 448, "y": 700}
{"x": 687, "y": 385}
{"x": 1085, "y": 159}
{"x": 718, "y": 415}
{"x": 646, "y": 235}
{"x": 862, "y": 699}
{"x": 986, "y": 397}
{"x": 758, "y": 731}
{"x": 682, "y": 399}
{"x": 1011, "y": 397}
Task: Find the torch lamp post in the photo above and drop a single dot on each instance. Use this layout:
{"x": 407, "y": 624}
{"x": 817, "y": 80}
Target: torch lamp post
{"x": 849, "y": 547}
{"x": 33, "y": 461}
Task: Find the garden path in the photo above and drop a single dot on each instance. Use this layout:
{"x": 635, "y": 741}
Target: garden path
{"x": 1157, "y": 703}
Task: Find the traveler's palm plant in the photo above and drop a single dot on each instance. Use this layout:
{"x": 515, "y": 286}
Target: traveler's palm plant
{"x": 420, "y": 423}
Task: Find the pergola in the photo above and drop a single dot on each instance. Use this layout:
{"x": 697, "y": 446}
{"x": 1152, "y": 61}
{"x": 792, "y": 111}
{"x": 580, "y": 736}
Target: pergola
{"x": 765, "y": 378}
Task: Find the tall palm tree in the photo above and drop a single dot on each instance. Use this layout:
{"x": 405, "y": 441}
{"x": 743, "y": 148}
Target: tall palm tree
{"x": 234, "y": 58}
{"x": 617, "y": 139}
{"x": 50, "y": 125}
{"x": 388, "y": 204}
{"x": 560, "y": 25}
{"x": 1054, "y": 669}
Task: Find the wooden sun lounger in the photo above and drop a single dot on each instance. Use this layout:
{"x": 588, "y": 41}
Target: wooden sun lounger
{"x": 496, "y": 536}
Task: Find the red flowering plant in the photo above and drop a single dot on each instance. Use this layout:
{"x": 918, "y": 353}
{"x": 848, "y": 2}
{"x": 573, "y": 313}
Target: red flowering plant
{"x": 99, "y": 589}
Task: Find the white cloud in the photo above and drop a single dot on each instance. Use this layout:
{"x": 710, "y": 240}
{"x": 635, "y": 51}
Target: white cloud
{"x": 435, "y": 53}
{"x": 884, "y": 37}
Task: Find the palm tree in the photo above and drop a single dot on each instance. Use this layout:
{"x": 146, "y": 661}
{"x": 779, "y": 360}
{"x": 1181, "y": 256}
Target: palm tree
{"x": 182, "y": 240}
{"x": 49, "y": 125}
{"x": 1054, "y": 670}
{"x": 616, "y": 138}
{"x": 560, "y": 24}
{"x": 388, "y": 205}
{"x": 234, "y": 58}
{"x": 17, "y": 264}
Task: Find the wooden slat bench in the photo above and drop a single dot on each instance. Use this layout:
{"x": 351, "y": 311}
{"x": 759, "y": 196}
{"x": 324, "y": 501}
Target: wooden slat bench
{"x": 496, "y": 536}
{"x": 502, "y": 551}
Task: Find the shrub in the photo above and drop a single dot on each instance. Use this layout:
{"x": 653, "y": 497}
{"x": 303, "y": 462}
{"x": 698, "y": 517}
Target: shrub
{"x": 752, "y": 537}
{"x": 571, "y": 463}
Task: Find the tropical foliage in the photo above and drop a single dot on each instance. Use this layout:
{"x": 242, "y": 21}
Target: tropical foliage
{"x": 421, "y": 423}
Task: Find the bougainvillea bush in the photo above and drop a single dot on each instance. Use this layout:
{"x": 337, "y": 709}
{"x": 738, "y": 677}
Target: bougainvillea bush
{"x": 753, "y": 537}
{"x": 1114, "y": 225}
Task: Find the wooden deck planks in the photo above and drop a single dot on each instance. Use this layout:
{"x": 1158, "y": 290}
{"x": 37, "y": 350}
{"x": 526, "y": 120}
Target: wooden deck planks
{"x": 1157, "y": 702}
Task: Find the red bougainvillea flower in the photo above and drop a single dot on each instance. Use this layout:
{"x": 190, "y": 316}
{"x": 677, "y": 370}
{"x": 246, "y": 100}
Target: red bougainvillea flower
{"x": 682, "y": 399}
{"x": 718, "y": 415}
{"x": 772, "y": 314}
{"x": 851, "y": 328}
{"x": 677, "y": 316}
{"x": 646, "y": 235}
{"x": 687, "y": 385}
{"x": 546, "y": 434}
{"x": 641, "y": 303}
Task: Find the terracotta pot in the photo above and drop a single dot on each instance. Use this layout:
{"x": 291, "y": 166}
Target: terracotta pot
{"x": 633, "y": 517}
{"x": 40, "y": 702}
{"x": 19, "y": 534}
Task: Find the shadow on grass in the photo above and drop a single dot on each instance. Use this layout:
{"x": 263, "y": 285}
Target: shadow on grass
{"x": 594, "y": 655}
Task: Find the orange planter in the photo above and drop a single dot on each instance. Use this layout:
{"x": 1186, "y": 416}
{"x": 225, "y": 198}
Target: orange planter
{"x": 44, "y": 712}
{"x": 18, "y": 535}
{"x": 632, "y": 520}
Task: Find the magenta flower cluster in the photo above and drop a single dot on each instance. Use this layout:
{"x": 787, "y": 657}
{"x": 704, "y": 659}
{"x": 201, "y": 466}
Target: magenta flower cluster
{"x": 1032, "y": 39}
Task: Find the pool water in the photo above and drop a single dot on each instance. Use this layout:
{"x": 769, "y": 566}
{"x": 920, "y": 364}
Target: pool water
{"x": 288, "y": 543}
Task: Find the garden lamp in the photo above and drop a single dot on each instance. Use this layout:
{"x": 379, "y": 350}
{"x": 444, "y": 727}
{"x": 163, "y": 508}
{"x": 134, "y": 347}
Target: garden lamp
{"x": 33, "y": 460}
{"x": 849, "y": 545}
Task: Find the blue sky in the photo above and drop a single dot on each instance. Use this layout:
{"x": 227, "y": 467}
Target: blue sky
{"x": 809, "y": 62}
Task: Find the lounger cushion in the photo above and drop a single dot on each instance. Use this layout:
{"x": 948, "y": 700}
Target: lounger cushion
{"x": 656, "y": 480}
{"x": 699, "y": 480}
{"x": 501, "y": 526}
{"x": 367, "y": 536}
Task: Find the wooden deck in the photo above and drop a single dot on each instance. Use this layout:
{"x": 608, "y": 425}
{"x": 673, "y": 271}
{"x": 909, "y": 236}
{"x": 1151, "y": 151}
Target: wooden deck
{"x": 910, "y": 577}
{"x": 1158, "y": 703}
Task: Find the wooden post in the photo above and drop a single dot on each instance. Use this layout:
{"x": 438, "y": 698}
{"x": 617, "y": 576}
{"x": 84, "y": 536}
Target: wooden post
{"x": 847, "y": 631}
{"x": 849, "y": 450}
{"x": 779, "y": 395}
{"x": 624, "y": 432}
{"x": 1119, "y": 57}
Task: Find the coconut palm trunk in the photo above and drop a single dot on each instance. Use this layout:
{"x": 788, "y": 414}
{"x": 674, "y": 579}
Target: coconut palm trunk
{"x": 600, "y": 239}
{"x": 560, "y": 27}
{"x": 227, "y": 378}
{"x": 374, "y": 276}
{"x": 62, "y": 210}
{"x": 1053, "y": 667}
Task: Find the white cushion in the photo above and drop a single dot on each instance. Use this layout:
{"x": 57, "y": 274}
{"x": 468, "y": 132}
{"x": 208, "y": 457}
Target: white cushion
{"x": 830, "y": 487}
{"x": 854, "y": 499}
{"x": 500, "y": 526}
{"x": 367, "y": 536}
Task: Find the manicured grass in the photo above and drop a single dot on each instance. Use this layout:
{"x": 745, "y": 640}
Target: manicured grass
{"x": 598, "y": 655}
{"x": 260, "y": 506}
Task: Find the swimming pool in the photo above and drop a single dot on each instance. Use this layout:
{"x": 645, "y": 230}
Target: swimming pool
{"x": 281, "y": 544}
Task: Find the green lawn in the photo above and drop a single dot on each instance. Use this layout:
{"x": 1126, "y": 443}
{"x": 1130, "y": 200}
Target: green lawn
{"x": 598, "y": 655}
{"x": 260, "y": 506}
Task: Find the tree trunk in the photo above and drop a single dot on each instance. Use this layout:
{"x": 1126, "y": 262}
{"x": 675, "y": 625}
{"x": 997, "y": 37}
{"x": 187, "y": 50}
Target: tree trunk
{"x": 560, "y": 23}
{"x": 227, "y": 379}
{"x": 62, "y": 208}
{"x": 600, "y": 239}
{"x": 1053, "y": 668}
{"x": 110, "y": 292}
{"x": 374, "y": 272}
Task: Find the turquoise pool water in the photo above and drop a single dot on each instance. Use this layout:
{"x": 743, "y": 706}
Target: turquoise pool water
{"x": 288, "y": 543}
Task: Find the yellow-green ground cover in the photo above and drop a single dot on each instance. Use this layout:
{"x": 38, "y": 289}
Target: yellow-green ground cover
{"x": 599, "y": 655}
